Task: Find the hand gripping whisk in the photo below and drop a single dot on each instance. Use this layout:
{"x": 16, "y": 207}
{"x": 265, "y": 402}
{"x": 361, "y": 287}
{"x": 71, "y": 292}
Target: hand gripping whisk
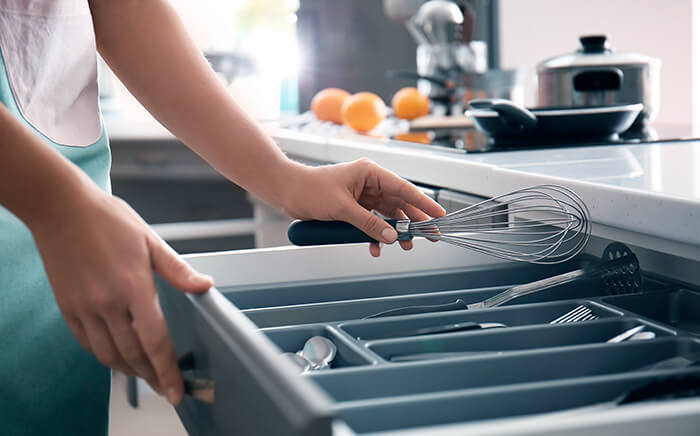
{"x": 543, "y": 224}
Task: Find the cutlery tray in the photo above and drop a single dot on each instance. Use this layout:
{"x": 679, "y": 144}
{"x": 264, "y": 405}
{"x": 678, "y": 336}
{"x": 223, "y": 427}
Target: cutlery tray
{"x": 527, "y": 367}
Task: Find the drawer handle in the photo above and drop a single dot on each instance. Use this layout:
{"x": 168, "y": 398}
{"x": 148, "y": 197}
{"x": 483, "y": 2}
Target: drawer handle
{"x": 201, "y": 389}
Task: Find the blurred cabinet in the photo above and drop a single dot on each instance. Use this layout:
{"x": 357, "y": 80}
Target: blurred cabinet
{"x": 350, "y": 45}
{"x": 188, "y": 203}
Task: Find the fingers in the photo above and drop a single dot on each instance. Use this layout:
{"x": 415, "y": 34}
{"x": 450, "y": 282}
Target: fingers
{"x": 78, "y": 331}
{"x": 102, "y": 345}
{"x": 369, "y": 223}
{"x": 129, "y": 347}
{"x": 375, "y": 248}
{"x": 396, "y": 186}
{"x": 152, "y": 332}
{"x": 166, "y": 262}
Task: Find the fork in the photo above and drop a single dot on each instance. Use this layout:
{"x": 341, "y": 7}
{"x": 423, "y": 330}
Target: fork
{"x": 577, "y": 314}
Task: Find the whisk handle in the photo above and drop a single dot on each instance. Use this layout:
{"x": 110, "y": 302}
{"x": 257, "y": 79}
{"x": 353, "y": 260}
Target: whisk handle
{"x": 327, "y": 232}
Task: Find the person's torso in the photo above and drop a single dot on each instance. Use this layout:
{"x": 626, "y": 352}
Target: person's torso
{"x": 48, "y": 80}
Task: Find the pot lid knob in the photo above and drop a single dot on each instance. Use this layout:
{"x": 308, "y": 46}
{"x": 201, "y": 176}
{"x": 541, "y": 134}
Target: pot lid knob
{"x": 594, "y": 44}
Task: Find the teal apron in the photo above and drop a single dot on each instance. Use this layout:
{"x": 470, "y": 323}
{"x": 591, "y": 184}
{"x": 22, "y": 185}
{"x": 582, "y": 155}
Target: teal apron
{"x": 49, "y": 385}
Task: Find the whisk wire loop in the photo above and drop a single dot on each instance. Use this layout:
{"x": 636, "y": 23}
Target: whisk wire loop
{"x": 541, "y": 224}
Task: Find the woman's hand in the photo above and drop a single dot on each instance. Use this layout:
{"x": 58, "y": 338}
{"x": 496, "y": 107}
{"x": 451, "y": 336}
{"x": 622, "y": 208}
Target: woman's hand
{"x": 100, "y": 256}
{"x": 350, "y": 191}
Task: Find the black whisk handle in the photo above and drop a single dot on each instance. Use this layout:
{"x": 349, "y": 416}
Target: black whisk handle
{"x": 327, "y": 232}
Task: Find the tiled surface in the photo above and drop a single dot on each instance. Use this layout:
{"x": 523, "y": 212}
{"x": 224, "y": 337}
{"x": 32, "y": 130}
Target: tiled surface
{"x": 154, "y": 417}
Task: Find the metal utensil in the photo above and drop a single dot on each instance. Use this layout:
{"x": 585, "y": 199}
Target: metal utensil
{"x": 617, "y": 276}
{"x": 300, "y": 362}
{"x": 643, "y": 336}
{"x": 319, "y": 351}
{"x": 543, "y": 224}
{"x": 439, "y": 19}
{"x": 458, "y": 304}
{"x": 433, "y": 356}
{"x": 627, "y": 334}
{"x": 445, "y": 328}
{"x": 577, "y": 314}
{"x": 618, "y": 273}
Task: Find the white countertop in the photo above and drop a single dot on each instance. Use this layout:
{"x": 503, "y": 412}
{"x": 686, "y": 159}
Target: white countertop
{"x": 647, "y": 195}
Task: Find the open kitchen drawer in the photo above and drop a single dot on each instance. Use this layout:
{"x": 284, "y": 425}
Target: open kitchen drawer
{"x": 530, "y": 377}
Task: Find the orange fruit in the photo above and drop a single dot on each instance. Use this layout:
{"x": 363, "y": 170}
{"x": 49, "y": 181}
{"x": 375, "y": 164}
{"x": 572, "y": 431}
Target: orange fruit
{"x": 409, "y": 103}
{"x": 327, "y": 104}
{"x": 363, "y": 111}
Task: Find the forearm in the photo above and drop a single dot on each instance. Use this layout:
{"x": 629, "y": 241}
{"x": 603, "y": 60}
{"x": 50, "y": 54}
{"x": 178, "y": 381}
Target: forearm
{"x": 35, "y": 180}
{"x": 146, "y": 45}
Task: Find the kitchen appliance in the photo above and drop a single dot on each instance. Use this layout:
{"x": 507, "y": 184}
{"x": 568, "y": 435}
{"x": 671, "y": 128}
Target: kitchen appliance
{"x": 538, "y": 224}
{"x": 507, "y": 123}
{"x": 453, "y": 90}
{"x": 441, "y": 21}
{"x": 511, "y": 376}
{"x": 597, "y": 75}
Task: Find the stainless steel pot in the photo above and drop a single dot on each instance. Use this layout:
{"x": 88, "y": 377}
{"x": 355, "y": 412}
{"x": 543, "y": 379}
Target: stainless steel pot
{"x": 596, "y": 75}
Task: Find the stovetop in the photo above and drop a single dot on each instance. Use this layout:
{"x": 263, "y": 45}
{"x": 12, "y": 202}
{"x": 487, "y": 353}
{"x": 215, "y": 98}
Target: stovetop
{"x": 473, "y": 141}
{"x": 470, "y": 140}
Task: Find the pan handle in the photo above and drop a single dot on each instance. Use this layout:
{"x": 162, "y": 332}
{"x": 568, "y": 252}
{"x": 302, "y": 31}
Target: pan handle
{"x": 516, "y": 118}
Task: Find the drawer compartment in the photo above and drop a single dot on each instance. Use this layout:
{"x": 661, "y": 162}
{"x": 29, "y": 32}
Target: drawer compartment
{"x": 421, "y": 410}
{"x": 391, "y": 285}
{"x": 680, "y": 309}
{"x": 479, "y": 372}
{"x": 526, "y": 367}
{"x": 474, "y": 343}
{"x": 292, "y": 339}
{"x": 513, "y": 316}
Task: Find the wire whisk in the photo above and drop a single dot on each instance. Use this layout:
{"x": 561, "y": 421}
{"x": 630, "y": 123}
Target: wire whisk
{"x": 543, "y": 224}
{"x": 540, "y": 224}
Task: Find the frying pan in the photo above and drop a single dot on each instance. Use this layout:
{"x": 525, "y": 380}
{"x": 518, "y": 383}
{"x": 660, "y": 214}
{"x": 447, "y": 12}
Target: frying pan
{"x": 504, "y": 121}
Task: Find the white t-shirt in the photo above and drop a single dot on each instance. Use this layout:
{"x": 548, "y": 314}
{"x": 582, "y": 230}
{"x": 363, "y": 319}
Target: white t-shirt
{"x": 48, "y": 47}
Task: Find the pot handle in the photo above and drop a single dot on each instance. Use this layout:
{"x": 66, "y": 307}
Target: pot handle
{"x": 609, "y": 79}
{"x": 514, "y": 117}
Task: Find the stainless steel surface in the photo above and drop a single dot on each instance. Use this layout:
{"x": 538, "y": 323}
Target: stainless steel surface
{"x": 458, "y": 304}
{"x": 317, "y": 354}
{"x": 643, "y": 336}
{"x": 579, "y": 313}
{"x": 485, "y": 26}
{"x": 440, "y": 20}
{"x": 319, "y": 351}
{"x": 299, "y": 361}
{"x": 597, "y": 75}
{"x": 545, "y": 224}
{"x": 434, "y": 330}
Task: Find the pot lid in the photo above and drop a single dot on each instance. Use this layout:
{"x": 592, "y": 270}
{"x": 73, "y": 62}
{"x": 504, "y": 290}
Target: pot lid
{"x": 595, "y": 51}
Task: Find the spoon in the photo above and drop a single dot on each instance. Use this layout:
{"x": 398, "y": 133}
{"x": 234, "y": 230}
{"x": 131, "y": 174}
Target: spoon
{"x": 298, "y": 361}
{"x": 319, "y": 351}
